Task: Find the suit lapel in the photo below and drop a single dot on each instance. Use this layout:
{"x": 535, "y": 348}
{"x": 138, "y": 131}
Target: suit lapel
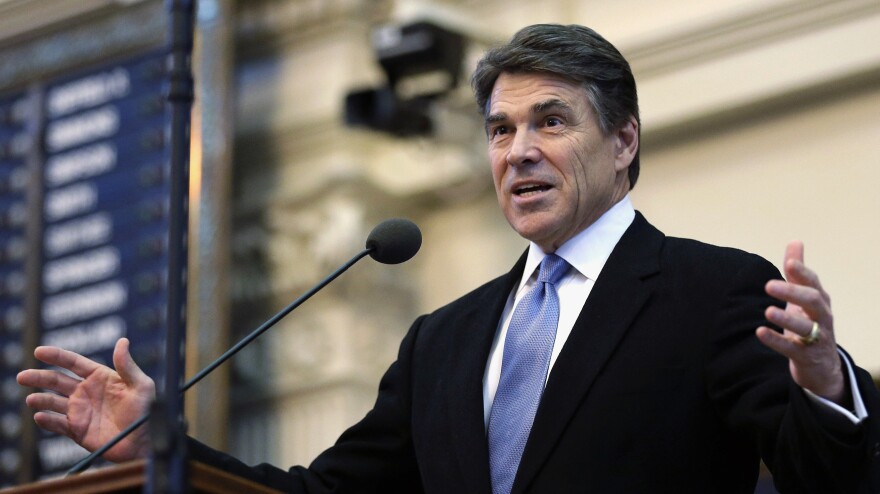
{"x": 620, "y": 292}
{"x": 474, "y": 333}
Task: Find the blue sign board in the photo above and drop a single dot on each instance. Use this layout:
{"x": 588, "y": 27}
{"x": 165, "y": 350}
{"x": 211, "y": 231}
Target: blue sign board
{"x": 14, "y": 179}
{"x": 98, "y": 180}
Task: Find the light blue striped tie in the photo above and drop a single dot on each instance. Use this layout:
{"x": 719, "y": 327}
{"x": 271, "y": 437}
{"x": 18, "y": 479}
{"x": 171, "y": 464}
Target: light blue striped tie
{"x": 524, "y": 367}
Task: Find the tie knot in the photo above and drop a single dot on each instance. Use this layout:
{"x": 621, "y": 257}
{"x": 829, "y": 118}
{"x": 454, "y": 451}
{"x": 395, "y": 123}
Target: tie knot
{"x": 552, "y": 269}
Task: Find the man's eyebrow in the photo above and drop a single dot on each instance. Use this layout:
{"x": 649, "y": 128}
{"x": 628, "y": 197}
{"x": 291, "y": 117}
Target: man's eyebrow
{"x": 496, "y": 117}
{"x": 551, "y": 104}
{"x": 538, "y": 108}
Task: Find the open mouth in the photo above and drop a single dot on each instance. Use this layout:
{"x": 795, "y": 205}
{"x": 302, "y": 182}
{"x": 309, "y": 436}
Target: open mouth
{"x": 529, "y": 190}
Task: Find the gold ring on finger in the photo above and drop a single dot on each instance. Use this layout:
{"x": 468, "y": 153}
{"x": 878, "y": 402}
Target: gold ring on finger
{"x": 813, "y": 337}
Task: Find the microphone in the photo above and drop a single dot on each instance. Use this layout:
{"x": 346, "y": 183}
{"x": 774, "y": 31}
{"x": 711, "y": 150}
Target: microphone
{"x": 393, "y": 241}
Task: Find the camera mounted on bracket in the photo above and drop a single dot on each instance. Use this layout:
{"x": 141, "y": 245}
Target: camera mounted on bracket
{"x": 421, "y": 61}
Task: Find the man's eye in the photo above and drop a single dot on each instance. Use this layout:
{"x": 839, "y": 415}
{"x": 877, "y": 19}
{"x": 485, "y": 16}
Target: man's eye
{"x": 552, "y": 121}
{"x": 499, "y": 130}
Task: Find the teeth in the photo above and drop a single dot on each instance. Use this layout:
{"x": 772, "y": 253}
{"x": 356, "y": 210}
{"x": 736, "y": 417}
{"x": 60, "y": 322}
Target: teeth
{"x": 531, "y": 189}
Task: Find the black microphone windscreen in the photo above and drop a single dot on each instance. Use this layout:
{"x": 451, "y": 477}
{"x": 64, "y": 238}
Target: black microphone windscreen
{"x": 394, "y": 241}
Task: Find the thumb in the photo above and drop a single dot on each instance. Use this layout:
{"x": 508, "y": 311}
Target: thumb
{"x": 125, "y": 365}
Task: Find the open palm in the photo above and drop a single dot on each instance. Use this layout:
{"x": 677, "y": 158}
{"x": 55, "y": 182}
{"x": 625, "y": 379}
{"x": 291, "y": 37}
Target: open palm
{"x": 94, "y": 406}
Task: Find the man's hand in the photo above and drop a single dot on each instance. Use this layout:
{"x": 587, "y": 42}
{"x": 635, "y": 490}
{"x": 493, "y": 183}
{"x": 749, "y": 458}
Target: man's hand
{"x": 94, "y": 408}
{"x": 815, "y": 366}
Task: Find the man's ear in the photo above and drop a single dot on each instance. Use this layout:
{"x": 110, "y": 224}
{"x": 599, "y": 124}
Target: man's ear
{"x": 627, "y": 143}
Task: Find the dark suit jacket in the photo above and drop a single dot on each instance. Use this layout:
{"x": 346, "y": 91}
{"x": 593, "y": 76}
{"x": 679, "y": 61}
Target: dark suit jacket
{"x": 661, "y": 387}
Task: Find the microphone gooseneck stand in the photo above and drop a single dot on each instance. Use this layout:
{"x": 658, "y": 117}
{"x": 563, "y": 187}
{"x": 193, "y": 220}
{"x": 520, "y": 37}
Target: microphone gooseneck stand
{"x": 391, "y": 242}
{"x": 87, "y": 461}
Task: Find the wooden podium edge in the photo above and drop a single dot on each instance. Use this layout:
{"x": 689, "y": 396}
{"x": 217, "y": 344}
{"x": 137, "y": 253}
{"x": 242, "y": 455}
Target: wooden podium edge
{"x": 210, "y": 480}
{"x": 130, "y": 478}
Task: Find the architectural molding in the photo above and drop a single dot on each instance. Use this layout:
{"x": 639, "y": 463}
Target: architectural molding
{"x": 812, "y": 54}
{"x": 267, "y": 24}
{"x": 31, "y": 18}
{"x": 671, "y": 51}
{"x": 57, "y": 47}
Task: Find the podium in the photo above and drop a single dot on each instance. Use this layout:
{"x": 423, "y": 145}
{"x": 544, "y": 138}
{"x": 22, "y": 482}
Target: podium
{"x": 129, "y": 478}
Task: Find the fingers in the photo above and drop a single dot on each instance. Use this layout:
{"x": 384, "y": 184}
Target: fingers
{"x": 798, "y": 273}
{"x": 802, "y": 295}
{"x": 778, "y": 342}
{"x": 805, "y": 305}
{"x": 802, "y": 291}
{"x": 125, "y": 365}
{"x": 795, "y": 270}
{"x": 65, "y": 359}
{"x": 52, "y": 412}
{"x": 790, "y": 320}
{"x": 791, "y": 342}
{"x": 48, "y": 379}
{"x": 53, "y": 422}
{"x": 815, "y": 365}
{"x": 47, "y": 401}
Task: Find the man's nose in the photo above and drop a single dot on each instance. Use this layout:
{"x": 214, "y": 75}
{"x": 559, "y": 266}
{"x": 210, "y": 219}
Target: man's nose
{"x": 525, "y": 148}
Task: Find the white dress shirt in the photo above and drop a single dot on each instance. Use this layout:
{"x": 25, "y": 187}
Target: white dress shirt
{"x": 587, "y": 252}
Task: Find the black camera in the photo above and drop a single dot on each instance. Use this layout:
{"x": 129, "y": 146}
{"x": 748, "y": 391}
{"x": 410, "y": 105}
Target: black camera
{"x": 421, "y": 62}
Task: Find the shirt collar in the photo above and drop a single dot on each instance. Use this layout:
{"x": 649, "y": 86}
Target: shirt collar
{"x": 588, "y": 250}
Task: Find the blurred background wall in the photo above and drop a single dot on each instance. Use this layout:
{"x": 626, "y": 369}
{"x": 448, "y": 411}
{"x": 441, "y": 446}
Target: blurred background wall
{"x": 759, "y": 126}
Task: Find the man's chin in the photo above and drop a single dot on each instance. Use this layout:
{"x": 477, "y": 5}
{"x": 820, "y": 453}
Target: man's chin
{"x": 538, "y": 232}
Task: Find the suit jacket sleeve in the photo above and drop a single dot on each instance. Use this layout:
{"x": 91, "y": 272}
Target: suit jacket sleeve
{"x": 375, "y": 455}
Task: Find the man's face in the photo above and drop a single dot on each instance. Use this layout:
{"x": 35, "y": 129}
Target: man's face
{"x": 555, "y": 172}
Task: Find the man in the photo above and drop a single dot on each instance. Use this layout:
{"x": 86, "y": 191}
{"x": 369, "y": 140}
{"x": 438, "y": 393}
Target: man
{"x": 611, "y": 359}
